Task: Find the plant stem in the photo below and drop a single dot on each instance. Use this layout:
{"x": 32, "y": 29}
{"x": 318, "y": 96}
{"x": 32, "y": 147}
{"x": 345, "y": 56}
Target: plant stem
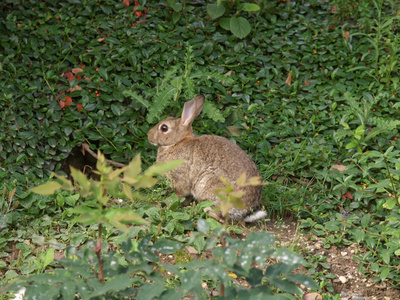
{"x": 394, "y": 191}
{"x": 98, "y": 253}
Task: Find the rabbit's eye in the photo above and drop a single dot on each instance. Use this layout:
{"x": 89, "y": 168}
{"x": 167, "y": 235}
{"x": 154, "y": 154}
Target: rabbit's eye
{"x": 164, "y": 128}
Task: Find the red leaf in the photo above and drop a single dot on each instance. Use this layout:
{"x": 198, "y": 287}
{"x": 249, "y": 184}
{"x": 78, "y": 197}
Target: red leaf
{"x": 126, "y": 2}
{"x": 79, "y": 107}
{"x": 137, "y": 13}
{"x": 68, "y": 101}
{"x": 70, "y": 76}
{"x": 62, "y": 104}
{"x": 349, "y": 195}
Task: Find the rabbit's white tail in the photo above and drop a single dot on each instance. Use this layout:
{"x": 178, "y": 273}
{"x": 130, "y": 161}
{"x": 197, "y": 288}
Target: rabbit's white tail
{"x": 258, "y": 215}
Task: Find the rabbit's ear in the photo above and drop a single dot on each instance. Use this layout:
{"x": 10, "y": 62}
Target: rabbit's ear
{"x": 192, "y": 109}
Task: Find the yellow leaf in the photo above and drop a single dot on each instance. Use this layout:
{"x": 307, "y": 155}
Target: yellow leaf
{"x": 47, "y": 188}
{"x": 225, "y": 207}
{"x": 145, "y": 182}
{"x": 237, "y": 194}
{"x": 128, "y": 191}
{"x": 81, "y": 179}
{"x": 224, "y": 180}
{"x": 254, "y": 181}
{"x": 237, "y": 202}
{"x": 162, "y": 167}
{"x": 233, "y": 275}
{"x": 133, "y": 170}
{"x": 241, "y": 181}
{"x": 117, "y": 172}
{"x": 66, "y": 183}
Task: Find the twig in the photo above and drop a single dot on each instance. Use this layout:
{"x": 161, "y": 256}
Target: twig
{"x": 117, "y": 164}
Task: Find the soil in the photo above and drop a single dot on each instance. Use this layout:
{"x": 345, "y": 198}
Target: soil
{"x": 348, "y": 283}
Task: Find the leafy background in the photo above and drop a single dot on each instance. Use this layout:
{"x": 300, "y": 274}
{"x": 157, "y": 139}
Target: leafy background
{"x": 310, "y": 85}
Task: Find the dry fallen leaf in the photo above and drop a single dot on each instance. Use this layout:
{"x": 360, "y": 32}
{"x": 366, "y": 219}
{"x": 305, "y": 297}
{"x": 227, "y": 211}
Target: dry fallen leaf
{"x": 289, "y": 78}
{"x": 346, "y": 36}
{"x": 77, "y": 70}
{"x": 306, "y": 83}
{"x": 73, "y": 89}
{"x": 227, "y": 74}
{"x": 234, "y": 131}
{"x": 340, "y": 168}
{"x": 312, "y": 296}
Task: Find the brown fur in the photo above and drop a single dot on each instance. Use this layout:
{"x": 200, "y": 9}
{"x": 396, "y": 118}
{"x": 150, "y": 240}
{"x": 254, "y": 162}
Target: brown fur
{"x": 207, "y": 159}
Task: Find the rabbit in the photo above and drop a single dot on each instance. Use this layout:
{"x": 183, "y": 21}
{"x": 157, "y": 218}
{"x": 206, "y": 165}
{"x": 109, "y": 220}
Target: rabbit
{"x": 207, "y": 158}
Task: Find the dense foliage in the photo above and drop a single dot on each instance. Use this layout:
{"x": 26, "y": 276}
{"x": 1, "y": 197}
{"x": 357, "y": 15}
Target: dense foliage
{"x": 313, "y": 84}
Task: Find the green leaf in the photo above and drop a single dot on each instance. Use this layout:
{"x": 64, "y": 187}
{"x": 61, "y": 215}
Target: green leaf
{"x": 116, "y": 109}
{"x": 390, "y": 203}
{"x": 68, "y": 130}
{"x": 213, "y": 112}
{"x": 358, "y": 134}
{"x": 47, "y": 257}
{"x": 365, "y": 221}
{"x": 215, "y": 10}
{"x": 250, "y": 7}
{"x": 122, "y": 215}
{"x": 240, "y": 27}
{"x": 203, "y": 226}
{"x": 71, "y": 200}
{"x": 288, "y": 257}
{"x": 103, "y": 73}
{"x": 351, "y": 145}
{"x": 285, "y": 285}
{"x": 47, "y": 188}
{"x": 88, "y": 215}
{"x": 118, "y": 283}
{"x": 176, "y": 16}
{"x": 68, "y": 290}
{"x": 150, "y": 291}
{"x": 332, "y": 225}
{"x": 199, "y": 243}
{"x": 384, "y": 273}
{"x": 42, "y": 291}
{"x": 167, "y": 246}
{"x": 225, "y": 23}
{"x": 136, "y": 97}
{"x": 176, "y": 6}
{"x": 160, "y": 102}
{"x": 191, "y": 279}
{"x": 303, "y": 279}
